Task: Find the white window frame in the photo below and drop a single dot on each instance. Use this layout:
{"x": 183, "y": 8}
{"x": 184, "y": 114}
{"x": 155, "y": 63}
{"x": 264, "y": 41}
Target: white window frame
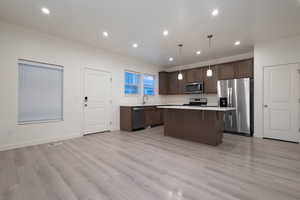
{"x": 139, "y": 85}
{"x": 154, "y": 87}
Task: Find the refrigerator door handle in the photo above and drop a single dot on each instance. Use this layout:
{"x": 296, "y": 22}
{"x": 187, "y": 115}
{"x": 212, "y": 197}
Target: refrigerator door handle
{"x": 229, "y": 92}
{"x": 228, "y": 95}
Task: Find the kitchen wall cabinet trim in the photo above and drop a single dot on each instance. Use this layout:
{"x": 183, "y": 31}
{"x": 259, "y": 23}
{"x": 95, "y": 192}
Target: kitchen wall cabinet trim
{"x": 170, "y": 85}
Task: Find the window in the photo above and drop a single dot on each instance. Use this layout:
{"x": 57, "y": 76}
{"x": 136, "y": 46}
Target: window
{"x": 149, "y": 82}
{"x": 40, "y": 92}
{"x": 132, "y": 83}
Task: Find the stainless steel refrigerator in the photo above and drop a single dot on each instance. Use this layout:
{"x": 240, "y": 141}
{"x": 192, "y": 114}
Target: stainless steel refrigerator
{"x": 239, "y": 94}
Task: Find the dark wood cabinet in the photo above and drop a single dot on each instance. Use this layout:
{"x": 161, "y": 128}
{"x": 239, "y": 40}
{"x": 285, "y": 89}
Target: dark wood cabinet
{"x": 126, "y": 118}
{"x": 226, "y": 71}
{"x": 239, "y": 69}
{"x": 169, "y": 84}
{"x": 150, "y": 115}
{"x": 194, "y": 75}
{"x": 244, "y": 69}
{"x": 153, "y": 116}
{"x": 182, "y": 83}
{"x": 173, "y": 84}
{"x": 210, "y": 83}
{"x": 163, "y": 83}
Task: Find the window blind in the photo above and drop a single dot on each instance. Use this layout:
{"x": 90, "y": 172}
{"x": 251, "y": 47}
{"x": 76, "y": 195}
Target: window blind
{"x": 40, "y": 92}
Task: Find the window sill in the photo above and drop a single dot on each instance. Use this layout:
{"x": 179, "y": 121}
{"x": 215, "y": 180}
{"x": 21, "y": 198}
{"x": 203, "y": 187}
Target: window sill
{"x": 40, "y": 122}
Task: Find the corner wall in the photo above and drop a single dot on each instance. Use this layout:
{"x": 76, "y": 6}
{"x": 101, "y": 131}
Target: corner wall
{"x": 284, "y": 51}
{"x": 21, "y": 43}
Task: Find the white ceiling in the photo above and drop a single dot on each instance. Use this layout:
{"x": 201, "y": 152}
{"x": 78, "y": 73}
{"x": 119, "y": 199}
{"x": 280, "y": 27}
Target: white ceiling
{"x": 143, "y": 21}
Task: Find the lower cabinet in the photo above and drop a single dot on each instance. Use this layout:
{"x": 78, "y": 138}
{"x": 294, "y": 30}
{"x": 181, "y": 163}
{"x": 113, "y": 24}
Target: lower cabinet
{"x": 134, "y": 118}
{"x": 153, "y": 116}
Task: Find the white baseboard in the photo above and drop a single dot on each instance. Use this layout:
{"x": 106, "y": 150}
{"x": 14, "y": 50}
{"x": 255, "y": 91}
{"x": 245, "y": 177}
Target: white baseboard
{"x": 37, "y": 142}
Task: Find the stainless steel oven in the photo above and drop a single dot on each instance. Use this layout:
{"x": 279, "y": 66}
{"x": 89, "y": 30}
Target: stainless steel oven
{"x": 194, "y": 88}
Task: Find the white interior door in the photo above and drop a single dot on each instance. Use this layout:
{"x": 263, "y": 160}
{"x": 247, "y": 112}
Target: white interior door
{"x": 97, "y": 100}
{"x": 281, "y": 102}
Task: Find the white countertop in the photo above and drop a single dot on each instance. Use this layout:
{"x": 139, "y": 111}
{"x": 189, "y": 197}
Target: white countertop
{"x": 145, "y": 105}
{"x": 221, "y": 109}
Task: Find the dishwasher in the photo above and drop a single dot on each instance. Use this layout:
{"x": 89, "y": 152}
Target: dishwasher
{"x": 138, "y": 118}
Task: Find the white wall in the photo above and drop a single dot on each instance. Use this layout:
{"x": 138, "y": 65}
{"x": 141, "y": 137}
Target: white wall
{"x": 271, "y": 53}
{"x": 17, "y": 42}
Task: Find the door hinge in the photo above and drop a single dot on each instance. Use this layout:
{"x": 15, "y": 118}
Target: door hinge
{"x": 110, "y": 122}
{"x": 298, "y": 71}
{"x": 110, "y": 79}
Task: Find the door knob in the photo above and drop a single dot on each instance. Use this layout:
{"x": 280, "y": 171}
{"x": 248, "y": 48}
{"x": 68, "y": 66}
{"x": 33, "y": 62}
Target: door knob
{"x": 265, "y": 106}
{"x": 85, "y": 105}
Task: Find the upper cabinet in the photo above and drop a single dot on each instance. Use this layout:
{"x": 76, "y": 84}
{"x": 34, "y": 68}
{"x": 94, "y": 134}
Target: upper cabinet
{"x": 163, "y": 83}
{"x": 239, "y": 69}
{"x": 210, "y": 83}
{"x": 194, "y": 75}
{"x": 173, "y": 84}
{"x": 226, "y": 71}
{"x": 182, "y": 83}
{"x": 244, "y": 69}
{"x": 169, "y": 83}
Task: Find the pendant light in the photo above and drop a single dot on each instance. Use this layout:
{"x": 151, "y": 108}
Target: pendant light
{"x": 209, "y": 72}
{"x": 180, "y": 76}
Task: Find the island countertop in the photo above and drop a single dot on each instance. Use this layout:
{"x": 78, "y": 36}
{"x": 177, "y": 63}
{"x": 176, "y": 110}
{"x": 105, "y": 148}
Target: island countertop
{"x": 208, "y": 108}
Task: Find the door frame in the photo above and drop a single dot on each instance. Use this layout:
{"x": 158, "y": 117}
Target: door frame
{"x": 263, "y": 95}
{"x": 83, "y": 70}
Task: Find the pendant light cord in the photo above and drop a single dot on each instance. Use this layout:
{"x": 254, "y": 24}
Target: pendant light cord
{"x": 209, "y": 45}
{"x": 180, "y": 56}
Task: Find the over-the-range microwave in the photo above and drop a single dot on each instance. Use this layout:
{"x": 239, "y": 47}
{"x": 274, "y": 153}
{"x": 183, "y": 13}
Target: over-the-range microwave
{"x": 194, "y": 88}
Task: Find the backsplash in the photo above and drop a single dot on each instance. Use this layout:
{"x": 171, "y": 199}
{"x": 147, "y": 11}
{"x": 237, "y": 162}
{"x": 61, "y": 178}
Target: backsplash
{"x": 184, "y": 99}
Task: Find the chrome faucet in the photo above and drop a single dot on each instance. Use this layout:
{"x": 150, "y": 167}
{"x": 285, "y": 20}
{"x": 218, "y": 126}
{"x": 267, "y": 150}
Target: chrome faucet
{"x": 145, "y": 97}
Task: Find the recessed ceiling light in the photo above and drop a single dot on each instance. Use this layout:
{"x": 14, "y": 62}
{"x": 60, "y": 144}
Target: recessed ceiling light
{"x": 166, "y": 33}
{"x": 215, "y": 12}
{"x": 171, "y": 59}
{"x": 237, "y": 43}
{"x": 46, "y": 11}
{"x": 105, "y": 34}
{"x": 198, "y": 52}
{"x": 135, "y": 45}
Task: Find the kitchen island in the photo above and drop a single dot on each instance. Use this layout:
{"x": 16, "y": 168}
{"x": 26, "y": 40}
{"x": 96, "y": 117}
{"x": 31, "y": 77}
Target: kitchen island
{"x": 195, "y": 123}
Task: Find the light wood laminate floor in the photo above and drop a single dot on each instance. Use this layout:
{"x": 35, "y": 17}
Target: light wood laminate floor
{"x": 146, "y": 165}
